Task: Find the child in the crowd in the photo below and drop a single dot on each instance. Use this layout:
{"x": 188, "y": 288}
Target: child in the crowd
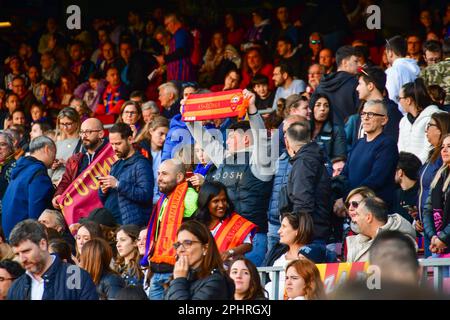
{"x": 264, "y": 97}
{"x": 38, "y": 113}
{"x": 82, "y": 108}
{"x": 92, "y": 90}
{"x": 39, "y": 129}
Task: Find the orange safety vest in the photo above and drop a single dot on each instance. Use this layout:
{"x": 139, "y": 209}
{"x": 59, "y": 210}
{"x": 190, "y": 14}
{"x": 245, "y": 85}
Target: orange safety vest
{"x": 161, "y": 244}
{"x": 233, "y": 232}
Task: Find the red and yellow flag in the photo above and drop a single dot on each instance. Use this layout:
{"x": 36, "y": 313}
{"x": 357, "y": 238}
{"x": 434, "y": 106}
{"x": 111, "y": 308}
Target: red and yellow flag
{"x": 217, "y": 105}
{"x": 81, "y": 196}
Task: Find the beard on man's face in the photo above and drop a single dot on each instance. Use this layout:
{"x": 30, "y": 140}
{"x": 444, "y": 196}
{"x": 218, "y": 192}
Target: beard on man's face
{"x": 167, "y": 187}
{"x": 89, "y": 143}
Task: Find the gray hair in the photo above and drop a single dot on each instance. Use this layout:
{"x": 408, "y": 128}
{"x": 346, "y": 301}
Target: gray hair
{"x": 168, "y": 88}
{"x": 150, "y": 105}
{"x": 59, "y": 218}
{"x": 381, "y": 103}
{"x": 39, "y": 143}
{"x": 13, "y": 134}
{"x": 8, "y": 139}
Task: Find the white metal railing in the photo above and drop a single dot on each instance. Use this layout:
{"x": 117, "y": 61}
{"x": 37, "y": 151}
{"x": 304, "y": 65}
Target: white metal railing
{"x": 437, "y": 265}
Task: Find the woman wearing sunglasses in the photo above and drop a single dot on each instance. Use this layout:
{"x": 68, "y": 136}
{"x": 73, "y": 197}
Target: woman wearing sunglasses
{"x": 198, "y": 273}
{"x": 351, "y": 204}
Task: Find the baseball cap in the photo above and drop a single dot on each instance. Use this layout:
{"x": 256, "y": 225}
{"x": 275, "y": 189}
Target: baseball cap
{"x": 101, "y": 216}
{"x": 376, "y": 75}
{"x": 313, "y": 252}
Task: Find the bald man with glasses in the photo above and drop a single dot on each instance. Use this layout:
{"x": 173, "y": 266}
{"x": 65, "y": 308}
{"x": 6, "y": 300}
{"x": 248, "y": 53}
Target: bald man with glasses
{"x": 92, "y": 137}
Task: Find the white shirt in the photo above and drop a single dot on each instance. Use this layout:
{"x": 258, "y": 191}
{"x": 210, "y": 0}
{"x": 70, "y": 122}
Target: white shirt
{"x": 37, "y": 286}
{"x": 280, "y": 262}
{"x": 402, "y": 71}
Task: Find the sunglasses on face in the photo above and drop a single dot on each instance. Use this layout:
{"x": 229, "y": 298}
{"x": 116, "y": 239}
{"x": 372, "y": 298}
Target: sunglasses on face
{"x": 353, "y": 204}
{"x": 315, "y": 41}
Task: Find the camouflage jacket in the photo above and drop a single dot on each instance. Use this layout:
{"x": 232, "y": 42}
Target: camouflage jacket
{"x": 438, "y": 74}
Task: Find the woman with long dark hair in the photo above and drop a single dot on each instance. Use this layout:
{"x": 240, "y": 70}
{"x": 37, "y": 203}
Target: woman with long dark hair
{"x": 198, "y": 273}
{"x": 437, "y": 208}
{"x": 324, "y": 131}
{"x": 437, "y": 127}
{"x": 128, "y": 259}
{"x": 418, "y": 107}
{"x": 232, "y": 232}
{"x": 96, "y": 258}
{"x": 246, "y": 280}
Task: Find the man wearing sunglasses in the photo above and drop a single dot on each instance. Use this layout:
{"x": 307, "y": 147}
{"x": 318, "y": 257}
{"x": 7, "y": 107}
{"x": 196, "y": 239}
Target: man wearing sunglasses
{"x": 372, "y": 218}
{"x": 9, "y": 271}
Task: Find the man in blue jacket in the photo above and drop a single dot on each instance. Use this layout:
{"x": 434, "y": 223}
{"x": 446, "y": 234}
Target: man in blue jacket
{"x": 30, "y": 190}
{"x": 46, "y": 276}
{"x": 128, "y": 190}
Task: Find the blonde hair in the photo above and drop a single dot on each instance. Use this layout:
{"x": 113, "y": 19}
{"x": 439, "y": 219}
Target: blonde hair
{"x": 157, "y": 122}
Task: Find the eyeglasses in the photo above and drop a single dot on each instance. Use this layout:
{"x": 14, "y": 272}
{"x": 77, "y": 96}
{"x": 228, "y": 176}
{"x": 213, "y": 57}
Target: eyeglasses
{"x": 315, "y": 41}
{"x": 431, "y": 125}
{"x": 353, "y": 204}
{"x": 370, "y": 115}
{"x": 88, "y": 132}
{"x": 186, "y": 244}
{"x": 66, "y": 125}
{"x": 400, "y": 98}
{"x": 131, "y": 113}
{"x": 4, "y": 279}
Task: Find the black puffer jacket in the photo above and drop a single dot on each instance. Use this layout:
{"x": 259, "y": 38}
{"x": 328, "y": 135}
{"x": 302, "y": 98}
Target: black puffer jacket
{"x": 309, "y": 188}
{"x": 214, "y": 287}
{"x": 109, "y": 286}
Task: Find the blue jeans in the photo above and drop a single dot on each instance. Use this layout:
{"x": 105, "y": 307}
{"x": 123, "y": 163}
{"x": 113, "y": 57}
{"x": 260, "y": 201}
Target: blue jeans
{"x": 156, "y": 285}
{"x": 259, "y": 249}
{"x": 272, "y": 236}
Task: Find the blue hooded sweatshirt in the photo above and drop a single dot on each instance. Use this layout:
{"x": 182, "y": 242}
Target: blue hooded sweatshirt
{"x": 28, "y": 194}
